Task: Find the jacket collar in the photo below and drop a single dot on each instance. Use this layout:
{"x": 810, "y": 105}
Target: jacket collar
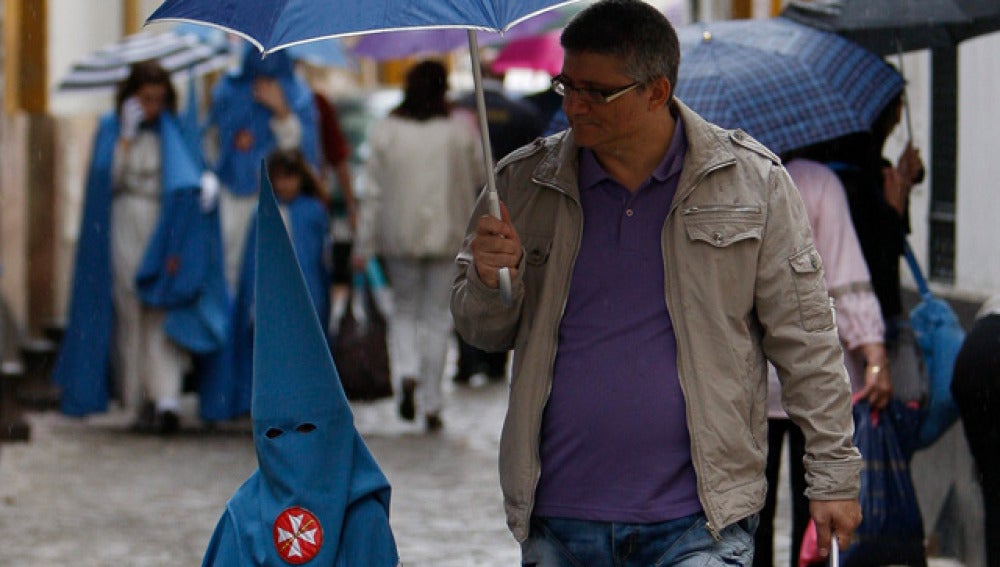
{"x": 708, "y": 149}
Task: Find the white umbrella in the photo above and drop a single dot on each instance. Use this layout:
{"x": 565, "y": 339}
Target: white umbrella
{"x": 177, "y": 53}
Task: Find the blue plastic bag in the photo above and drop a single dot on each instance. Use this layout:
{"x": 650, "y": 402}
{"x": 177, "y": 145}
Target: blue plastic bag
{"x": 940, "y": 336}
{"x": 892, "y": 531}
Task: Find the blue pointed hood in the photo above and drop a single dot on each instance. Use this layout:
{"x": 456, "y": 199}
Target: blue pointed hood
{"x": 287, "y": 326}
{"x": 318, "y": 495}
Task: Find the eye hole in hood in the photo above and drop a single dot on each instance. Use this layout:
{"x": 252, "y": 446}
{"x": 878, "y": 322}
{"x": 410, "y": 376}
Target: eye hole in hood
{"x": 306, "y": 428}
{"x": 273, "y": 433}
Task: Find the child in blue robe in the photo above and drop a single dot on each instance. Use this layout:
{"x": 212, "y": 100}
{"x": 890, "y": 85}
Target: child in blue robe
{"x": 318, "y": 496}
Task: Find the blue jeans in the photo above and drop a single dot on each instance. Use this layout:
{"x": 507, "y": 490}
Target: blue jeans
{"x": 560, "y": 542}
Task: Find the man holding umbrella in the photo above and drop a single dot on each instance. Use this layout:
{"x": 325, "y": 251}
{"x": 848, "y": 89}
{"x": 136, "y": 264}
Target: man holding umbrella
{"x": 657, "y": 262}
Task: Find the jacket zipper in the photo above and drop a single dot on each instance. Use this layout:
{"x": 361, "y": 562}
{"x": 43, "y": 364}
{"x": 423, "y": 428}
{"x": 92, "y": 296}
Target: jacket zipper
{"x": 709, "y": 526}
{"x": 719, "y": 208}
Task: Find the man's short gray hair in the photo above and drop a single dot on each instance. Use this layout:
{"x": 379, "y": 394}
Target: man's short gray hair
{"x": 631, "y": 30}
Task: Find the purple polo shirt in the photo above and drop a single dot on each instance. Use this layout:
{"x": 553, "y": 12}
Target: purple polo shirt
{"x": 615, "y": 444}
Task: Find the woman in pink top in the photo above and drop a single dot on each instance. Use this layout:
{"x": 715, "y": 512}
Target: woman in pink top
{"x": 860, "y": 325}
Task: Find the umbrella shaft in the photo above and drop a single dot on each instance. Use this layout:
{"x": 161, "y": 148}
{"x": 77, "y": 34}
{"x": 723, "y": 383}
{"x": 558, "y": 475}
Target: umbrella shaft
{"x": 477, "y": 76}
{"x": 503, "y": 274}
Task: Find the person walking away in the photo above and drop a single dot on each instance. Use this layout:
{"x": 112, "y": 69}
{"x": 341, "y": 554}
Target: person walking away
{"x": 512, "y": 123}
{"x": 878, "y": 194}
{"x": 976, "y": 389}
{"x": 335, "y": 174}
{"x": 658, "y": 262}
{"x": 143, "y": 195}
{"x": 861, "y": 331}
{"x": 423, "y": 164}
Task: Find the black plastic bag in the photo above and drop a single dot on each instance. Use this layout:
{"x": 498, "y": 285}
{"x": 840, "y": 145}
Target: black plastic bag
{"x": 359, "y": 346}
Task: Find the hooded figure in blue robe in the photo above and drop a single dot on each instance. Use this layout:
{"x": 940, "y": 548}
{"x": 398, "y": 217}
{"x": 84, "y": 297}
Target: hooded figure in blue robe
{"x": 244, "y": 129}
{"x": 318, "y": 497}
{"x": 180, "y": 272}
{"x": 308, "y": 225}
{"x": 247, "y": 132}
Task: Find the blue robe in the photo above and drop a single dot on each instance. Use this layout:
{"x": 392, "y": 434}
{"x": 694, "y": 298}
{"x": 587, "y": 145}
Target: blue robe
{"x": 309, "y": 227}
{"x": 193, "y": 295}
{"x": 312, "y": 463}
{"x": 235, "y": 113}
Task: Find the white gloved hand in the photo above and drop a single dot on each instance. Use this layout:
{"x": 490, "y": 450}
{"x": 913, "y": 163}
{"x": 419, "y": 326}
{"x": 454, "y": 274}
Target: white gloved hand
{"x": 209, "y": 191}
{"x": 131, "y": 116}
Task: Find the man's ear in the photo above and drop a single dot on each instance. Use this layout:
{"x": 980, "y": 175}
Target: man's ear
{"x": 659, "y": 93}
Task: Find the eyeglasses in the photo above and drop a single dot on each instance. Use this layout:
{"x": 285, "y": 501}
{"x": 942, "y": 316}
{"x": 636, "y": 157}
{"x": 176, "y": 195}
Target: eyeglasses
{"x": 563, "y": 87}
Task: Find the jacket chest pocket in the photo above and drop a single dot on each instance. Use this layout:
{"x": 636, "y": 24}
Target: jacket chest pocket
{"x": 810, "y": 289}
{"x": 723, "y": 225}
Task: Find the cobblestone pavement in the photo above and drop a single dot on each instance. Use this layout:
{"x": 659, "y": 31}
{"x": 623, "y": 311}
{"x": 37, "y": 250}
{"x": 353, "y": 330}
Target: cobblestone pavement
{"x": 87, "y": 493}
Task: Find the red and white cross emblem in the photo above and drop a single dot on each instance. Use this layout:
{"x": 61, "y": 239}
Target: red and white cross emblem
{"x": 297, "y": 535}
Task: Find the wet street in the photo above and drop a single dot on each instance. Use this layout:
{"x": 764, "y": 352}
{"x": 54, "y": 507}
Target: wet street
{"x": 90, "y": 494}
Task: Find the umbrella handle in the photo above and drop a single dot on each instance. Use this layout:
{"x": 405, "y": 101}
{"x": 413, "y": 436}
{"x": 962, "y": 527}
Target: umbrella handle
{"x": 503, "y": 274}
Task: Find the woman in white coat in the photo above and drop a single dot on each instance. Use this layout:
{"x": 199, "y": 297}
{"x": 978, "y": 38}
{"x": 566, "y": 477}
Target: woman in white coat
{"x": 424, "y": 166}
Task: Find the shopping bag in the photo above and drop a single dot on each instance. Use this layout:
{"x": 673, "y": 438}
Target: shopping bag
{"x": 891, "y": 531}
{"x": 359, "y": 346}
{"x": 939, "y": 335}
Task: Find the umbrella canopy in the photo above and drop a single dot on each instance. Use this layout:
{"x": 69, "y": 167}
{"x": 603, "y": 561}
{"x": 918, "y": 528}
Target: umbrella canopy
{"x": 328, "y": 53}
{"x": 538, "y": 53}
{"x": 177, "y": 53}
{"x": 886, "y": 26}
{"x": 788, "y": 85}
{"x": 406, "y": 43}
{"x": 274, "y": 25}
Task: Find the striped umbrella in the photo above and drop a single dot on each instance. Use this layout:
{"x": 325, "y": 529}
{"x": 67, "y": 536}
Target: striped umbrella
{"x": 177, "y": 53}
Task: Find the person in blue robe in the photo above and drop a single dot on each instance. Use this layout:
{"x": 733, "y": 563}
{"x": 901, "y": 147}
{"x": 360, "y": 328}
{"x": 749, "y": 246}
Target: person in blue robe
{"x": 318, "y": 496}
{"x": 262, "y": 107}
{"x": 300, "y": 201}
{"x": 148, "y": 283}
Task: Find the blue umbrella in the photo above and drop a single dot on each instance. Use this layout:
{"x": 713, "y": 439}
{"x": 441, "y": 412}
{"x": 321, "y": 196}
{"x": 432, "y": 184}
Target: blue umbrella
{"x": 272, "y": 25}
{"x": 328, "y": 53}
{"x": 786, "y": 84}
{"x": 408, "y": 43}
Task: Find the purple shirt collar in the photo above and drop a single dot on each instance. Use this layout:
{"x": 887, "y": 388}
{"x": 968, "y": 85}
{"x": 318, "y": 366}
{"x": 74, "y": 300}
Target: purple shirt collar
{"x": 591, "y": 173}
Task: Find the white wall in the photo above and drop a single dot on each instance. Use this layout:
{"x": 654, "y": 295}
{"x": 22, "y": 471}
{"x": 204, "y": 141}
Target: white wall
{"x": 978, "y": 225}
{"x": 977, "y": 262}
{"x": 76, "y": 28}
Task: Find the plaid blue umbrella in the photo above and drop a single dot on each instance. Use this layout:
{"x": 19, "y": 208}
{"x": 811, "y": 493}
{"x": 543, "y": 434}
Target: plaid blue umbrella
{"x": 786, "y": 84}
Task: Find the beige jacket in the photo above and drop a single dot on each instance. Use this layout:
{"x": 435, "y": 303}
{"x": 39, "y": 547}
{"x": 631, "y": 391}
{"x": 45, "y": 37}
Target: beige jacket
{"x": 743, "y": 282}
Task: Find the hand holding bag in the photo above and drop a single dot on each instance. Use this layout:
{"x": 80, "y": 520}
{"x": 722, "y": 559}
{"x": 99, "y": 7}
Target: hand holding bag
{"x": 359, "y": 348}
{"x": 892, "y": 530}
